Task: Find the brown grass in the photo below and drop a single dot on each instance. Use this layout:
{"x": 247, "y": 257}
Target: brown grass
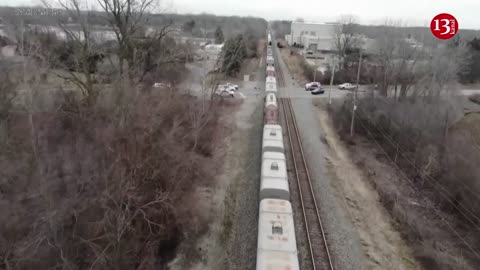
{"x": 294, "y": 63}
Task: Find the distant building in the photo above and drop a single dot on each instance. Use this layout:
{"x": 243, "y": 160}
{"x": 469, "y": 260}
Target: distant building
{"x": 196, "y": 41}
{"x": 103, "y": 35}
{"x": 8, "y": 51}
{"x": 312, "y": 36}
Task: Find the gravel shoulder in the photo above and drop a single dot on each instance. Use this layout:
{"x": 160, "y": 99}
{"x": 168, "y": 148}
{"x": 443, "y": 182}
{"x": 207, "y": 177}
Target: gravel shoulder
{"x": 231, "y": 240}
{"x": 381, "y": 242}
{"x": 232, "y": 204}
{"x": 240, "y": 216}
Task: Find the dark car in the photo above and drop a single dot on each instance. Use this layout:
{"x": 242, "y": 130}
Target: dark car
{"x": 318, "y": 91}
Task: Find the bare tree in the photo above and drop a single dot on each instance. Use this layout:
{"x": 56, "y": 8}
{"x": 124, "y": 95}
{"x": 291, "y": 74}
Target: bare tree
{"x": 397, "y": 60}
{"x": 127, "y": 18}
{"x": 345, "y": 36}
{"x": 80, "y": 49}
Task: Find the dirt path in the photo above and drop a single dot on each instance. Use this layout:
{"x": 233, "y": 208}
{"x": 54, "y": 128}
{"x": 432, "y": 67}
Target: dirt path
{"x": 381, "y": 243}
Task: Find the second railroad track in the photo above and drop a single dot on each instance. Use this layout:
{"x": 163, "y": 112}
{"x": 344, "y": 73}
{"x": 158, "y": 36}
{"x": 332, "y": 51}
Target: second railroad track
{"x": 315, "y": 233}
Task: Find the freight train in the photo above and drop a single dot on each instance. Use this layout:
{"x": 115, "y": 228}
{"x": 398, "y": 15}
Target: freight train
{"x": 276, "y": 246}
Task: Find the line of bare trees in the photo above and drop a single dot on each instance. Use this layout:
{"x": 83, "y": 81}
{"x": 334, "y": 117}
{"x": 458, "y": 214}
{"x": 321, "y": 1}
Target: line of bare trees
{"x": 99, "y": 171}
{"x": 416, "y": 114}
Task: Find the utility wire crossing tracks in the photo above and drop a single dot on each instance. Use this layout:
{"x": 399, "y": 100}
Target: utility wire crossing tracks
{"x": 317, "y": 242}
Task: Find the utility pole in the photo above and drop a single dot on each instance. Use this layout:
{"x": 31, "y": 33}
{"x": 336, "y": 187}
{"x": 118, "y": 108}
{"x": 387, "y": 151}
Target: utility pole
{"x": 355, "y": 95}
{"x": 331, "y": 82}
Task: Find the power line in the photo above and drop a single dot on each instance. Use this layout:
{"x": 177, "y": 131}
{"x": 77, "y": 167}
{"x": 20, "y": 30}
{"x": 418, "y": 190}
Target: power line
{"x": 414, "y": 188}
{"x": 428, "y": 177}
{"x": 355, "y": 95}
{"x": 467, "y": 188}
{"x": 431, "y": 180}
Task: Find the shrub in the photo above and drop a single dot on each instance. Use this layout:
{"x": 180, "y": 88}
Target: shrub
{"x": 101, "y": 188}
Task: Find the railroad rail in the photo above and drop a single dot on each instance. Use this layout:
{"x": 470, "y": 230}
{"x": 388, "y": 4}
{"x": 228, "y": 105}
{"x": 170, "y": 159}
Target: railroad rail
{"x": 317, "y": 242}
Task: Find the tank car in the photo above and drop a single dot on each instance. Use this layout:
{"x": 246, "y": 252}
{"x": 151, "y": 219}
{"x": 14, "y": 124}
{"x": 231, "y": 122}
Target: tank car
{"x": 271, "y": 109}
{"x": 270, "y": 79}
{"x": 270, "y": 60}
{"x": 271, "y": 88}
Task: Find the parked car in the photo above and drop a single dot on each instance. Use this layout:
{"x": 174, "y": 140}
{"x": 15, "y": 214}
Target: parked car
{"x": 224, "y": 90}
{"x": 162, "y": 85}
{"x": 346, "y": 86}
{"x": 318, "y": 91}
{"x": 234, "y": 86}
{"x": 312, "y": 85}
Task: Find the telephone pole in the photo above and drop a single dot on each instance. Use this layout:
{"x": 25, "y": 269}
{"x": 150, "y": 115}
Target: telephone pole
{"x": 355, "y": 96}
{"x": 331, "y": 82}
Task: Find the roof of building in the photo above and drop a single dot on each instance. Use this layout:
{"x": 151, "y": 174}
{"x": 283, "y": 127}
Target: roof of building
{"x": 317, "y": 23}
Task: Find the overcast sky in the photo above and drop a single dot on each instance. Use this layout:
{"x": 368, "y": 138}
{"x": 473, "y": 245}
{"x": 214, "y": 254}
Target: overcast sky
{"x": 411, "y": 12}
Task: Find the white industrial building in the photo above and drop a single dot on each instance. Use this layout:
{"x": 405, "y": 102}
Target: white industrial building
{"x": 313, "y": 36}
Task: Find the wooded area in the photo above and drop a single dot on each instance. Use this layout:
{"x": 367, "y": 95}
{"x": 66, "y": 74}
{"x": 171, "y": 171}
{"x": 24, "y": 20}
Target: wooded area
{"x": 98, "y": 167}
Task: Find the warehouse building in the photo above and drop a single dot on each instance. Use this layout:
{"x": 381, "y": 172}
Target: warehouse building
{"x": 312, "y": 36}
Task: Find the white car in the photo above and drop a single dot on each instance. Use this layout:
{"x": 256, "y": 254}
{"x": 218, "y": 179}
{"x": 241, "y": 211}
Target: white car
{"x": 346, "y": 86}
{"x": 233, "y": 86}
{"x": 162, "y": 85}
{"x": 225, "y": 90}
{"x": 312, "y": 85}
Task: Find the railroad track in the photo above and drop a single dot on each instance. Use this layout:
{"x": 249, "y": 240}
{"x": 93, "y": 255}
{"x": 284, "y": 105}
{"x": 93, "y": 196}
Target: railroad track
{"x": 317, "y": 242}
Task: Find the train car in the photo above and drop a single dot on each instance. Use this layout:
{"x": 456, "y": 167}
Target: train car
{"x": 271, "y": 101}
{"x": 274, "y": 180}
{"x": 269, "y": 39}
{"x": 270, "y": 51}
{"x": 270, "y": 79}
{"x": 270, "y": 68}
{"x": 270, "y": 60}
{"x": 271, "y": 114}
{"x": 276, "y": 245}
{"x": 271, "y": 88}
{"x": 272, "y": 140}
{"x": 272, "y": 145}
{"x": 273, "y": 132}
{"x": 270, "y": 73}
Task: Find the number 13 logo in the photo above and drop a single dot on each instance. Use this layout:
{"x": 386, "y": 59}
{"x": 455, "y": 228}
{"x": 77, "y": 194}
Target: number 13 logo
{"x": 444, "y": 26}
